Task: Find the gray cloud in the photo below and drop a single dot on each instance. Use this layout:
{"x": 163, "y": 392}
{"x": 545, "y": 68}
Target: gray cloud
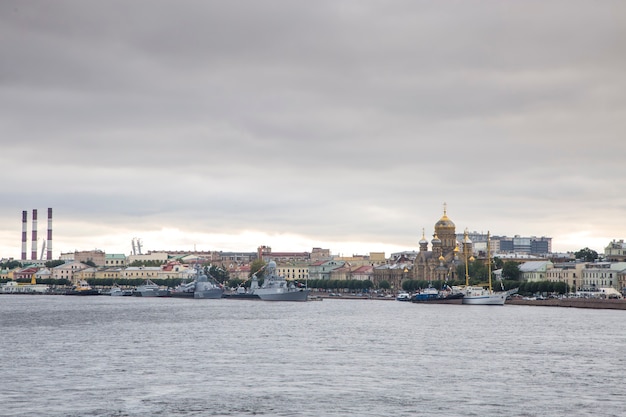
{"x": 328, "y": 121}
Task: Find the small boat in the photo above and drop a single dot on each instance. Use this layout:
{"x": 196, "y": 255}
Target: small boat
{"x": 403, "y": 296}
{"x": 277, "y": 288}
{"x": 83, "y": 288}
{"x": 447, "y": 295}
{"x": 13, "y": 287}
{"x": 150, "y": 289}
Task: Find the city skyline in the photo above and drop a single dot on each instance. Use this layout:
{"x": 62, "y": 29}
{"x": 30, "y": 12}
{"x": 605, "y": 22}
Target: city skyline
{"x": 38, "y": 241}
{"x": 342, "y": 125}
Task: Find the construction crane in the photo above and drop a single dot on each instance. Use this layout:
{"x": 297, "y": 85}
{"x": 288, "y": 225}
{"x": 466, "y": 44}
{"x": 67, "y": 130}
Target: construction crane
{"x": 43, "y": 249}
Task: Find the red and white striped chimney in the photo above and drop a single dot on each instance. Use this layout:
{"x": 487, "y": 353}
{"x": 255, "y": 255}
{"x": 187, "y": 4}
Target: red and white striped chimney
{"x": 49, "y": 254}
{"x": 33, "y": 253}
{"x": 24, "y": 233}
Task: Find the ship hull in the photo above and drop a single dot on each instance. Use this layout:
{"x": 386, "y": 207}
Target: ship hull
{"x": 299, "y": 295}
{"x": 485, "y": 300}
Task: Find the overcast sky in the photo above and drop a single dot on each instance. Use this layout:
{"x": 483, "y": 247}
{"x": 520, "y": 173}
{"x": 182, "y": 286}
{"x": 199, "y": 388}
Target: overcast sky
{"x": 226, "y": 125}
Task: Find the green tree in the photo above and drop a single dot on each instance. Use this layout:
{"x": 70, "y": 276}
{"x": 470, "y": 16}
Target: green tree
{"x": 477, "y": 272}
{"x": 510, "y": 270}
{"x": 497, "y": 263}
{"x": 219, "y": 273}
{"x": 367, "y": 284}
{"x": 384, "y": 285}
{"x": 146, "y": 263}
{"x": 11, "y": 265}
{"x": 255, "y": 267}
{"x": 235, "y": 282}
{"x": 54, "y": 263}
{"x": 586, "y": 254}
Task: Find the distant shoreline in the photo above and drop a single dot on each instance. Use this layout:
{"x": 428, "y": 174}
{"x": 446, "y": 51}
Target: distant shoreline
{"x": 597, "y": 304}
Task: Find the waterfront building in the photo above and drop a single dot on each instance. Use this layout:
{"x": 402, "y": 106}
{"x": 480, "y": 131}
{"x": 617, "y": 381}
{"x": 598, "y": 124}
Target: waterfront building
{"x": 25, "y": 273}
{"x": 115, "y": 260}
{"x": 363, "y": 273}
{"x": 183, "y": 272}
{"x": 342, "y": 273}
{"x": 67, "y": 270}
{"x": 298, "y": 271}
{"x": 621, "y": 282}
{"x": 323, "y": 269}
{"x": 7, "y": 274}
{"x": 86, "y": 274}
{"x": 567, "y": 272}
{"x": 394, "y": 274}
{"x": 602, "y": 275}
{"x": 143, "y": 272}
{"x": 43, "y": 274}
{"x": 113, "y": 273}
{"x": 535, "y": 271}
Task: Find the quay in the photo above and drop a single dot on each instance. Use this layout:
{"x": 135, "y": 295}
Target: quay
{"x": 595, "y": 303}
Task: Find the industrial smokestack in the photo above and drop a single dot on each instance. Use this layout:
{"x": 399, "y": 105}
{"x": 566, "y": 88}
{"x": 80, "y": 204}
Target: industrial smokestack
{"x": 49, "y": 253}
{"x": 24, "y": 238}
{"x": 33, "y": 253}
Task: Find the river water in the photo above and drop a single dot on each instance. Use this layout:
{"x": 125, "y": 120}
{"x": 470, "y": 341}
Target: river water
{"x": 130, "y": 356}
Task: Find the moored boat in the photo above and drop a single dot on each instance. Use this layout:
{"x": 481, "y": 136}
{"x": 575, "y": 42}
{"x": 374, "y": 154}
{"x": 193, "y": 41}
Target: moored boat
{"x": 403, "y": 296}
{"x": 117, "y": 291}
{"x": 151, "y": 289}
{"x": 83, "y": 288}
{"x": 14, "y": 287}
{"x": 447, "y": 295}
{"x": 207, "y": 288}
{"x": 277, "y": 288}
{"x": 483, "y": 296}
{"x": 244, "y": 294}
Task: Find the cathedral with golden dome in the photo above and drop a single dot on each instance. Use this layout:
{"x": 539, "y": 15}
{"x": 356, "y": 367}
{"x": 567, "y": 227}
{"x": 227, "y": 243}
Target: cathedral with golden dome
{"x": 440, "y": 262}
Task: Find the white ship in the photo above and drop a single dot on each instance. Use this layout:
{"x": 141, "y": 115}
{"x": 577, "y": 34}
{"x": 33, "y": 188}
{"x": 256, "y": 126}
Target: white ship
{"x": 480, "y": 295}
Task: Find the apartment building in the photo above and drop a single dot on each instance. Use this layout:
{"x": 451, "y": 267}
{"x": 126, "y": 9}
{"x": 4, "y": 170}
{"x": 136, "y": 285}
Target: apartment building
{"x": 601, "y": 275}
{"x": 567, "y": 272}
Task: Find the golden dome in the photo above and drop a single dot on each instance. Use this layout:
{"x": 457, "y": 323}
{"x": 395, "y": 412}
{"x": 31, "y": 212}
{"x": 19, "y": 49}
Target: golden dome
{"x": 441, "y": 258}
{"x": 445, "y": 221}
